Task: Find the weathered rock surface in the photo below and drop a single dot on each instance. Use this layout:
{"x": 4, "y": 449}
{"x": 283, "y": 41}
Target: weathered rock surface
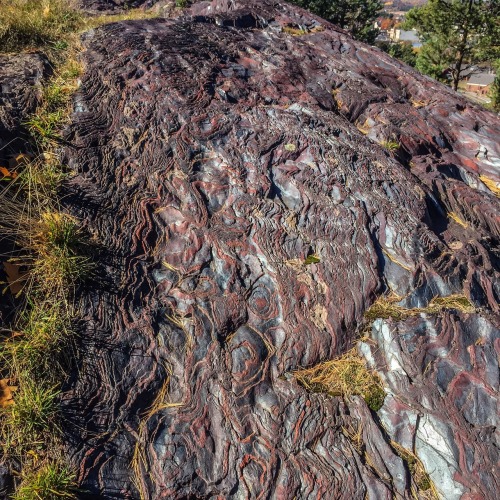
{"x": 214, "y": 154}
{"x": 20, "y": 79}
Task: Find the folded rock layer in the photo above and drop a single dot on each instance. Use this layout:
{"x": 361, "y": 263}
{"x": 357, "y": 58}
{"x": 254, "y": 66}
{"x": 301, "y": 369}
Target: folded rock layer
{"x": 213, "y": 155}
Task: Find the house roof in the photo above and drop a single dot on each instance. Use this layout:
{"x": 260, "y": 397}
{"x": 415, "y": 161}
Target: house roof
{"x": 482, "y": 79}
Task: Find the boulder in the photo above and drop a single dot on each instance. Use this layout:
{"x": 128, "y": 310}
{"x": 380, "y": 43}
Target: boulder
{"x": 214, "y": 154}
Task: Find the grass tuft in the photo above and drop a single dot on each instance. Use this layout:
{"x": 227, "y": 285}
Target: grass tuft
{"x": 33, "y": 414}
{"x": 345, "y": 376}
{"x": 391, "y": 146}
{"x": 51, "y": 481}
{"x": 37, "y": 350}
{"x": 387, "y": 307}
{"x": 30, "y": 24}
{"x": 426, "y": 489}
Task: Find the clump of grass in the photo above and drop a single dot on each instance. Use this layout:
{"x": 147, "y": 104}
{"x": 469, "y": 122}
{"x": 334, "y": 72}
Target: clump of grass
{"x": 41, "y": 176}
{"x": 345, "y": 376}
{"x": 426, "y": 489}
{"x": 391, "y": 146}
{"x": 37, "y": 349}
{"x": 291, "y": 30}
{"x": 128, "y": 15}
{"x": 50, "y": 241}
{"x": 37, "y": 23}
{"x": 33, "y": 414}
{"x": 54, "y": 241}
{"x": 54, "y": 108}
{"x": 51, "y": 481}
{"x": 387, "y": 307}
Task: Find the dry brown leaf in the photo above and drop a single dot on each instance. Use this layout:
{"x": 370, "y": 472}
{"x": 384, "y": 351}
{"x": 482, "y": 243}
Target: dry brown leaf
{"x": 6, "y": 174}
{"x": 6, "y": 393}
{"x": 15, "y": 278}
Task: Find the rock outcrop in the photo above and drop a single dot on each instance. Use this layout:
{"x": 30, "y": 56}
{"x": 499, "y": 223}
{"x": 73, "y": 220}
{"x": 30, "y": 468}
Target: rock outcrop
{"x": 20, "y": 79}
{"x": 213, "y": 155}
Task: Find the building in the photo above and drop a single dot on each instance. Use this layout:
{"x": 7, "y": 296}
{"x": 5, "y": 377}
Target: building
{"x": 398, "y": 35}
{"x": 480, "y": 83}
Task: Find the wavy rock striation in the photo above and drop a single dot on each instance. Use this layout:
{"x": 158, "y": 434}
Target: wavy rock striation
{"x": 214, "y": 154}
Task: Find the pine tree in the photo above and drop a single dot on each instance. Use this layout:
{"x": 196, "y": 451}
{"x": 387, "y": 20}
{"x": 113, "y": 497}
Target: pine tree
{"x": 456, "y": 34}
{"x": 356, "y": 16}
{"x": 495, "y": 88}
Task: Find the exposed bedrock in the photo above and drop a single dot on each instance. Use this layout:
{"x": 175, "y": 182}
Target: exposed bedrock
{"x": 21, "y": 76}
{"x": 214, "y": 154}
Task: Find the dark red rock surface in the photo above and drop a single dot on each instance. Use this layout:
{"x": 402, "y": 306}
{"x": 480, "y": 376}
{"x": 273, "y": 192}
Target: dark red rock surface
{"x": 213, "y": 155}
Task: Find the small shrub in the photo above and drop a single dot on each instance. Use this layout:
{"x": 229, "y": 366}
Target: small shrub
{"x": 51, "y": 481}
{"x": 345, "y": 376}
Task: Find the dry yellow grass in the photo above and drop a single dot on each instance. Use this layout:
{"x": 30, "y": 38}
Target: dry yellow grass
{"x": 387, "y": 307}
{"x": 492, "y": 185}
{"x": 457, "y": 219}
{"x": 30, "y": 24}
{"x": 139, "y": 460}
{"x": 344, "y": 376}
{"x": 425, "y": 488}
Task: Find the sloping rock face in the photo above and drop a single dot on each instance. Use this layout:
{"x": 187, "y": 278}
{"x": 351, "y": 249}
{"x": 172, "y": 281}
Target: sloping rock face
{"x": 20, "y": 79}
{"x": 213, "y": 155}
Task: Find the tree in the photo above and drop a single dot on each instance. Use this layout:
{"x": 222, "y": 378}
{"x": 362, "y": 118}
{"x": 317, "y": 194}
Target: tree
{"x": 356, "y": 16}
{"x": 456, "y": 34}
{"x": 495, "y": 88}
{"x": 402, "y": 51}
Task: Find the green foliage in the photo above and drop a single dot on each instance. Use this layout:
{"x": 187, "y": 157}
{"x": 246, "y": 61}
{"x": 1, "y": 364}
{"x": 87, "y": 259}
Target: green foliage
{"x": 495, "y": 89}
{"x": 402, "y": 51}
{"x": 50, "y": 482}
{"x": 356, "y": 16}
{"x": 391, "y": 146}
{"x": 36, "y": 23}
{"x": 456, "y": 34}
{"x": 312, "y": 259}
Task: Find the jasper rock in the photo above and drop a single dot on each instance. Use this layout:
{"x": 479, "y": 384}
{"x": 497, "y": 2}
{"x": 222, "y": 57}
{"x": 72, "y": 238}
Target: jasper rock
{"x": 213, "y": 155}
{"x": 21, "y": 77}
{"x": 441, "y": 374}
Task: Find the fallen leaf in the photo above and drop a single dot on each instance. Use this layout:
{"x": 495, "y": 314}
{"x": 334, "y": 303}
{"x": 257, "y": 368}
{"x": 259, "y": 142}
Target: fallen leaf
{"x": 6, "y": 174}
{"x": 15, "y": 277}
{"x": 20, "y": 159}
{"x": 6, "y": 393}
